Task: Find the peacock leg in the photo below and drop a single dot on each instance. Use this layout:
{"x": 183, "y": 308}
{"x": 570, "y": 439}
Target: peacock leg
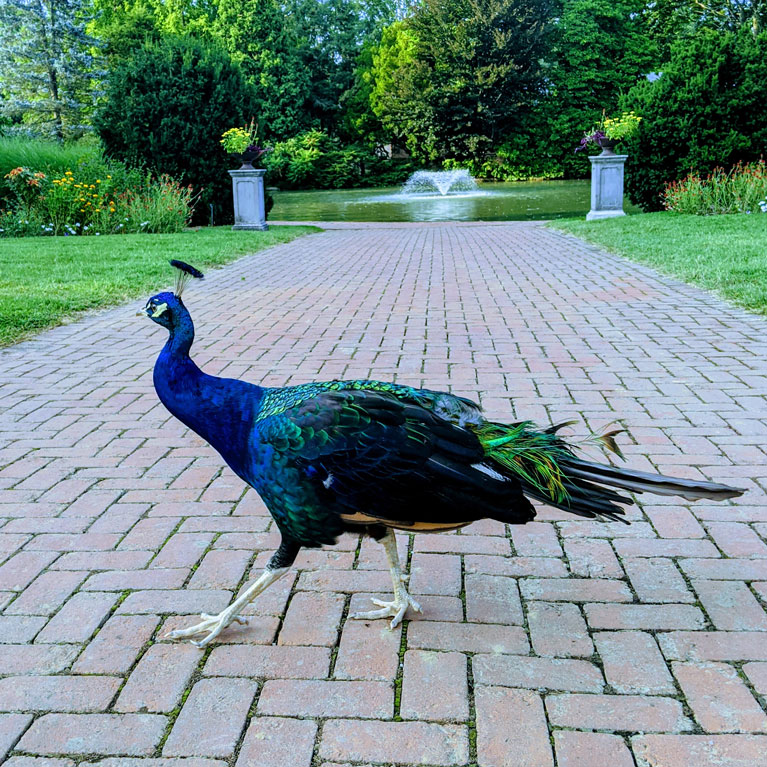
{"x": 402, "y": 599}
{"x": 213, "y": 625}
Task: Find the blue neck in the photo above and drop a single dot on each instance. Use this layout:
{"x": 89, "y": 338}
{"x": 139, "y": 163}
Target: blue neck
{"x": 181, "y": 335}
{"x": 220, "y": 410}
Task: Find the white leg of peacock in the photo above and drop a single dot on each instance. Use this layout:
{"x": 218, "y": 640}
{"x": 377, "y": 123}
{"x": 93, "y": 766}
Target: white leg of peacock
{"x": 402, "y": 599}
{"x": 213, "y": 625}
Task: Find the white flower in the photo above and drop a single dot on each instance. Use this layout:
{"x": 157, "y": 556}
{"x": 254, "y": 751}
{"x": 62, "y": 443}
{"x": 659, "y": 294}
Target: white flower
{"x": 144, "y": 223}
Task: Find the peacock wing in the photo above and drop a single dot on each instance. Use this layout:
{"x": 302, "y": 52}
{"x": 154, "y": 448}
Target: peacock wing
{"x": 342, "y": 453}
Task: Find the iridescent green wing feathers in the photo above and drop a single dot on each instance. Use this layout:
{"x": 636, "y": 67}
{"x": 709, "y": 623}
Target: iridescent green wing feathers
{"x": 538, "y": 459}
{"x": 458, "y": 410}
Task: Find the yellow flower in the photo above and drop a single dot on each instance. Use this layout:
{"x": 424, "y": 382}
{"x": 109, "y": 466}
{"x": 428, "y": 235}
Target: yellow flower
{"x": 109, "y": 176}
{"x": 98, "y": 180}
{"x": 69, "y": 173}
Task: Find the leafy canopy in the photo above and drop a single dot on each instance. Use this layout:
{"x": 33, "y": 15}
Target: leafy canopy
{"x": 708, "y": 109}
{"x": 458, "y": 75}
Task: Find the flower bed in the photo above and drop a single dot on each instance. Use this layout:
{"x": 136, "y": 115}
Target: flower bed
{"x": 96, "y": 198}
{"x": 743, "y": 189}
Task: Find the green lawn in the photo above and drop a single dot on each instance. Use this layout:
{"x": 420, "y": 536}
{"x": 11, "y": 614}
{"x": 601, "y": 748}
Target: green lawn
{"x": 726, "y": 254}
{"x": 44, "y": 280}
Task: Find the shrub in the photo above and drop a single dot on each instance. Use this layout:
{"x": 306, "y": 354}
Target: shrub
{"x": 166, "y": 109}
{"x": 741, "y": 190}
{"x": 707, "y": 110}
{"x": 512, "y": 161}
{"x": 315, "y": 160}
{"x": 162, "y": 206}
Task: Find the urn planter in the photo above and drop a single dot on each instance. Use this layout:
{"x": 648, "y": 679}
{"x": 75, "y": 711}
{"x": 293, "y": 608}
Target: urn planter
{"x": 248, "y": 157}
{"x": 608, "y": 146}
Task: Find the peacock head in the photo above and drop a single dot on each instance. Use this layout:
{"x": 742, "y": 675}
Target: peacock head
{"x": 167, "y": 309}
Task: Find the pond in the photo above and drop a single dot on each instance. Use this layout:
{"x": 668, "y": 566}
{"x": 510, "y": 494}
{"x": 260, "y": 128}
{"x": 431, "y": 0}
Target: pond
{"x": 517, "y": 201}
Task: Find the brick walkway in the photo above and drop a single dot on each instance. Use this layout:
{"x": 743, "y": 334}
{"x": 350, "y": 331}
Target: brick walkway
{"x": 564, "y": 642}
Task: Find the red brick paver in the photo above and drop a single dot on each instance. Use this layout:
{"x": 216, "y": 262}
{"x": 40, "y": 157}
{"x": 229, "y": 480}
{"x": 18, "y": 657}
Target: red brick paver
{"x": 567, "y": 642}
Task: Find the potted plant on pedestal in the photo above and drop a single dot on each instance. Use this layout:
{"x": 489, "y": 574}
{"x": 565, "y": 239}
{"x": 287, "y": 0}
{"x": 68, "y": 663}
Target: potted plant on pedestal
{"x": 242, "y": 143}
{"x": 610, "y": 131}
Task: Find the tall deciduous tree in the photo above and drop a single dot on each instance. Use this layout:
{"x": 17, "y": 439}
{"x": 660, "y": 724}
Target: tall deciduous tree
{"x": 330, "y": 35}
{"x": 125, "y": 25}
{"x": 48, "y": 67}
{"x": 474, "y": 74}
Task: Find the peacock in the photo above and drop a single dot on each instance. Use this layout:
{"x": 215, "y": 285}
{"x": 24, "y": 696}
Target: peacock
{"x": 372, "y": 457}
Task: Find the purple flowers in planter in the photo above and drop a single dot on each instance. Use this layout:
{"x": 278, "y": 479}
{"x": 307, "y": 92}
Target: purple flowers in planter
{"x": 590, "y": 138}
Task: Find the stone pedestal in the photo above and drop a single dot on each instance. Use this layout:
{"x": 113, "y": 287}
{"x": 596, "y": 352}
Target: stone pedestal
{"x": 606, "y": 186}
{"x": 248, "y": 191}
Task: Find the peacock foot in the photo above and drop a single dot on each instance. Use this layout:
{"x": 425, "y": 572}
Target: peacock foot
{"x": 394, "y": 610}
{"x": 213, "y": 625}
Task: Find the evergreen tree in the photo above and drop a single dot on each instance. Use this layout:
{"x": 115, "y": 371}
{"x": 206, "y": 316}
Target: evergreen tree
{"x": 166, "y": 109}
{"x": 707, "y": 110}
{"x": 600, "y": 51}
{"x": 49, "y": 72}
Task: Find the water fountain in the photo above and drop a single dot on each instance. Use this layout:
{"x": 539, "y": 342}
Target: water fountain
{"x": 450, "y": 195}
{"x": 443, "y": 181}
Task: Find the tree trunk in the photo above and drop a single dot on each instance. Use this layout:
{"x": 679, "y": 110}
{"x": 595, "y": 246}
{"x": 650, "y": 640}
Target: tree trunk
{"x": 58, "y": 126}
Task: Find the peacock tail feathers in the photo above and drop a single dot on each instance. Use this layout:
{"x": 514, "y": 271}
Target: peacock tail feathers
{"x": 605, "y": 442}
{"x": 540, "y": 458}
{"x": 533, "y": 455}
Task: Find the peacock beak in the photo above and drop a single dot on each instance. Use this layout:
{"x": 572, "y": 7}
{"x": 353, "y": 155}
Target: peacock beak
{"x": 153, "y": 311}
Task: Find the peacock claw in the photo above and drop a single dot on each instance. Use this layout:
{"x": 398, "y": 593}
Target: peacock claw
{"x": 394, "y": 609}
{"x": 213, "y": 624}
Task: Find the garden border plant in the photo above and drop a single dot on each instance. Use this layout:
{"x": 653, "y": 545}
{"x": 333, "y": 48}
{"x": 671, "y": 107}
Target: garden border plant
{"x": 742, "y": 189}
{"x": 98, "y": 197}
